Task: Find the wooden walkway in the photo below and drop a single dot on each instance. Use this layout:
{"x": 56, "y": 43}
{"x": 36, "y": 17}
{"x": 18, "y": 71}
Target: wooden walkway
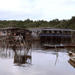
{"x": 59, "y": 46}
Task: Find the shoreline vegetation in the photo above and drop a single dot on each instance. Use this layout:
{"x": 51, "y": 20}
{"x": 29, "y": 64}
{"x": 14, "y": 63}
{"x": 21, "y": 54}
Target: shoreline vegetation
{"x": 55, "y": 23}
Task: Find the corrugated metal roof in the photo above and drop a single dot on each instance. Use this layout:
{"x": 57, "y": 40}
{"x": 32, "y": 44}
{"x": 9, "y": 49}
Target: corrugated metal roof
{"x": 14, "y": 28}
{"x": 58, "y": 35}
{"x": 57, "y": 29}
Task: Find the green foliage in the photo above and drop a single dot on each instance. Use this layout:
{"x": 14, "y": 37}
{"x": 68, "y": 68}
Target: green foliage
{"x": 41, "y": 23}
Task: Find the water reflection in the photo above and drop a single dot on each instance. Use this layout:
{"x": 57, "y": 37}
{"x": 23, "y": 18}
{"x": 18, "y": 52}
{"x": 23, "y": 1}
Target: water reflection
{"x": 44, "y": 61}
{"x": 18, "y": 49}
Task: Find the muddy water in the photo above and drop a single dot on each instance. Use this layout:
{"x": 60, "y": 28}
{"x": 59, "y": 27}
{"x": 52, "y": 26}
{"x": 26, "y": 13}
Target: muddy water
{"x": 43, "y": 62}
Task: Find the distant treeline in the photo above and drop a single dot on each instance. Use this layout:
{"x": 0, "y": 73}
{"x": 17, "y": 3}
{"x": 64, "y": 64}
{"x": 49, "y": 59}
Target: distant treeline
{"x": 56, "y": 23}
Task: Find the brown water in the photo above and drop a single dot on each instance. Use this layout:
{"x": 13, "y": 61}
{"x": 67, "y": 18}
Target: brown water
{"x": 43, "y": 62}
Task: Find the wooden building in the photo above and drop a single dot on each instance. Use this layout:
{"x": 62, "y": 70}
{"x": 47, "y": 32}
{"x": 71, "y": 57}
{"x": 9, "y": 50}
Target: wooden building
{"x": 56, "y": 36}
{"x": 12, "y": 31}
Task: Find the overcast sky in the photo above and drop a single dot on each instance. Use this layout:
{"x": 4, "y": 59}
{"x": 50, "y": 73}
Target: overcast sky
{"x": 36, "y": 9}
